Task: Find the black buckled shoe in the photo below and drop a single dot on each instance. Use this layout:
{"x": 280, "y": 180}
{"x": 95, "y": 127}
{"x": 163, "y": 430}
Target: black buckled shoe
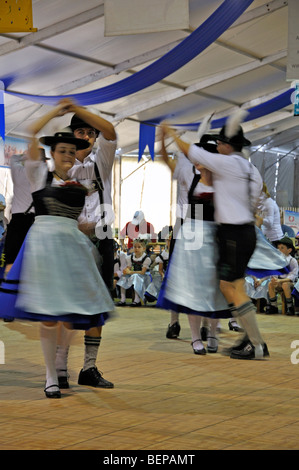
{"x": 250, "y": 352}
{"x": 173, "y": 331}
{"x": 93, "y": 378}
{"x": 238, "y": 346}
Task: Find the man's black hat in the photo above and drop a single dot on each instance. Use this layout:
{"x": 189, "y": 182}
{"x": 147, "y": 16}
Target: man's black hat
{"x": 237, "y": 140}
{"x": 77, "y": 123}
{"x": 207, "y": 142}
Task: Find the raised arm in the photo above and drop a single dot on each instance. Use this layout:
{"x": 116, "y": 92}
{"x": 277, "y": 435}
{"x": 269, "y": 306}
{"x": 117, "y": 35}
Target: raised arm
{"x": 169, "y": 161}
{"x": 183, "y": 146}
{"x": 60, "y": 110}
{"x": 197, "y": 155}
{"x": 95, "y": 121}
{"x": 36, "y": 127}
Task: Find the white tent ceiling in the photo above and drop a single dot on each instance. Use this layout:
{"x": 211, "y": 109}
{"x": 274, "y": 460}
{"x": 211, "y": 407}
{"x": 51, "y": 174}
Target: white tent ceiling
{"x": 70, "y": 54}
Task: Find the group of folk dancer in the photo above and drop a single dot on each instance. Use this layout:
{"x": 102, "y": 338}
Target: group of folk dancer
{"x": 61, "y": 272}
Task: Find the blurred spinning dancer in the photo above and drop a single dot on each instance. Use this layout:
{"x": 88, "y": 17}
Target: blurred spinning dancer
{"x": 93, "y": 169}
{"x": 237, "y": 185}
{"x": 51, "y": 285}
{"x": 194, "y": 258}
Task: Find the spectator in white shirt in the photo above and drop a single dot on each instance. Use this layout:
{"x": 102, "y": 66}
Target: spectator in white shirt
{"x": 270, "y": 217}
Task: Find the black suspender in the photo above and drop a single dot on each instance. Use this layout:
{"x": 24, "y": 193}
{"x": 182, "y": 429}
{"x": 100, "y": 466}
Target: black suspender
{"x": 100, "y": 188}
{"x": 99, "y": 182}
{"x": 27, "y": 210}
{"x": 48, "y": 181}
{"x": 194, "y": 183}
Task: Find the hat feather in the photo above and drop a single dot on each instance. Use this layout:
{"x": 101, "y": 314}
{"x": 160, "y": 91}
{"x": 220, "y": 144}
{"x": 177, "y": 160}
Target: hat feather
{"x": 204, "y": 126}
{"x": 233, "y": 122}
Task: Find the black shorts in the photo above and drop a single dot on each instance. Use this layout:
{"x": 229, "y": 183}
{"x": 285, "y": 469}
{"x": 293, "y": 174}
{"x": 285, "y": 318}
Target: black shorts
{"x": 236, "y": 246}
{"x": 16, "y": 232}
{"x": 105, "y": 247}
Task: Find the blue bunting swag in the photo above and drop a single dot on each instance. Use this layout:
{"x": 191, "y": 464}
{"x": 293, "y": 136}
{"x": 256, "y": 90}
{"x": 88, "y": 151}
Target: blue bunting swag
{"x": 279, "y": 102}
{"x": 270, "y": 106}
{"x": 222, "y": 18}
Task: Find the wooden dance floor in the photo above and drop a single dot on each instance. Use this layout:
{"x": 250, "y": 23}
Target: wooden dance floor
{"x": 165, "y": 397}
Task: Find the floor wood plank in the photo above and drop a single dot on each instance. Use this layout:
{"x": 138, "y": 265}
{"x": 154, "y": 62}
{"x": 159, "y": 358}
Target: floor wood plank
{"x": 165, "y": 397}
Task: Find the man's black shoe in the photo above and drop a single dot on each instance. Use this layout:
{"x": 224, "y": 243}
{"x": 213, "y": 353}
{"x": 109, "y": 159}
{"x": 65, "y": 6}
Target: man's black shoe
{"x": 271, "y": 309}
{"x": 240, "y": 345}
{"x": 93, "y": 378}
{"x": 290, "y": 310}
{"x": 250, "y": 352}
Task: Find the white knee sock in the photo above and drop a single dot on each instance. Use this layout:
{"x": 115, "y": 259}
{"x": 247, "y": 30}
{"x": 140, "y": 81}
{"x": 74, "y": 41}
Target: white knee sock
{"x": 48, "y": 338}
{"x": 212, "y": 335}
{"x": 213, "y": 327}
{"x": 64, "y": 341}
{"x": 195, "y": 323}
{"x": 122, "y": 294}
{"x": 246, "y": 316}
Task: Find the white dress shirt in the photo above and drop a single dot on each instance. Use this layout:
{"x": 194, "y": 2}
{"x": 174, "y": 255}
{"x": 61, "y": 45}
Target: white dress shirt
{"x": 237, "y": 184}
{"x": 84, "y": 172}
{"x": 271, "y": 227}
{"x": 22, "y": 198}
{"x": 293, "y": 267}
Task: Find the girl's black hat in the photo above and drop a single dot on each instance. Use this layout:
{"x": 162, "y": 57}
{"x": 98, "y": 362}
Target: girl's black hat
{"x": 66, "y": 138}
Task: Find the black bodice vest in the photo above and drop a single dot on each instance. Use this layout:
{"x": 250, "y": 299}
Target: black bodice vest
{"x": 137, "y": 265}
{"x": 165, "y": 262}
{"x": 64, "y": 201}
{"x": 206, "y": 199}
